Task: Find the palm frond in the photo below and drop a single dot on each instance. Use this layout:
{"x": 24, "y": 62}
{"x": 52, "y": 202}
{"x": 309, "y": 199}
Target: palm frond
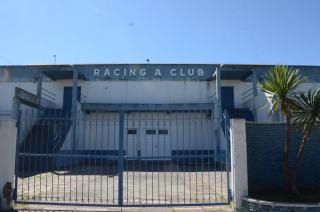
{"x": 280, "y": 85}
{"x": 306, "y": 109}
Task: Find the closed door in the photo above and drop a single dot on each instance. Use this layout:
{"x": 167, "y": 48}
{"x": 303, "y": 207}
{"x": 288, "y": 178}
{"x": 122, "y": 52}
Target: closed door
{"x": 156, "y": 144}
{"x": 150, "y": 143}
{"x": 164, "y": 143}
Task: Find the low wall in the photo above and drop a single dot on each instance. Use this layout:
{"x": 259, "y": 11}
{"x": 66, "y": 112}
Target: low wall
{"x": 8, "y": 134}
{"x": 265, "y": 143}
{"x": 254, "y": 205}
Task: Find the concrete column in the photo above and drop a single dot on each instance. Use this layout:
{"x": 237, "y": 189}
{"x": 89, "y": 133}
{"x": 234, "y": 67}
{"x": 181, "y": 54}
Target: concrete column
{"x": 74, "y": 108}
{"x": 8, "y": 133}
{"x": 218, "y": 109}
{"x": 39, "y": 89}
{"x": 239, "y": 171}
{"x": 255, "y": 93}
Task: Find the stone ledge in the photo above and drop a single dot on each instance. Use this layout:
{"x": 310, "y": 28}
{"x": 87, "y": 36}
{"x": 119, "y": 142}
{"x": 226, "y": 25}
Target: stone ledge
{"x": 260, "y": 205}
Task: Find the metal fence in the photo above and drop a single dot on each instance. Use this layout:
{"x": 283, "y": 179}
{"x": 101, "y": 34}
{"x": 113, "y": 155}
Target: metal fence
{"x": 150, "y": 158}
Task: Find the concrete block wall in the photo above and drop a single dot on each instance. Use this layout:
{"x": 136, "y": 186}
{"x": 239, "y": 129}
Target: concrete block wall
{"x": 264, "y": 152}
{"x": 8, "y": 132}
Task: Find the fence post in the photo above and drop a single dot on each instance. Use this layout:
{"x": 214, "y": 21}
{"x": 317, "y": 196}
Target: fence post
{"x": 120, "y": 159}
{"x": 228, "y": 165}
{"x": 239, "y": 171}
{"x": 218, "y": 111}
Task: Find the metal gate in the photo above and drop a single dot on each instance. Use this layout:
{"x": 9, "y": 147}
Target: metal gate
{"x": 132, "y": 158}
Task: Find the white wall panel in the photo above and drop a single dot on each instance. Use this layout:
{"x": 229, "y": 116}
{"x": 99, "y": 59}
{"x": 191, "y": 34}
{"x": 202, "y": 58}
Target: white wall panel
{"x": 7, "y": 93}
{"x": 148, "y": 92}
{"x": 188, "y": 131}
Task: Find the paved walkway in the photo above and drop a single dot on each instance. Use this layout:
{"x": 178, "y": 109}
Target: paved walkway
{"x": 139, "y": 188}
{"x": 28, "y": 208}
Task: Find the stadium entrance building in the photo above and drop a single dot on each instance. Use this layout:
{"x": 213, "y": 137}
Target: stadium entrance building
{"x": 120, "y": 134}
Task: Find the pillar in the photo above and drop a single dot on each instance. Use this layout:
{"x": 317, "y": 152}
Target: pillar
{"x": 239, "y": 171}
{"x": 74, "y": 108}
{"x": 218, "y": 109}
{"x": 8, "y": 134}
{"x": 255, "y": 93}
{"x": 39, "y": 89}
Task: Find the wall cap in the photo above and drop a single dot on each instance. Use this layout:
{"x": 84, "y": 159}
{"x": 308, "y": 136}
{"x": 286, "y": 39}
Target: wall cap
{"x": 280, "y": 204}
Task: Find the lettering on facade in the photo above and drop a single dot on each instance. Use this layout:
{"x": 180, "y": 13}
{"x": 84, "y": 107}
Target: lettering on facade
{"x": 142, "y": 72}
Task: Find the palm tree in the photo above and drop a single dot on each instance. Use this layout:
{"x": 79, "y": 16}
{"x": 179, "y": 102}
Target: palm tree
{"x": 280, "y": 85}
{"x": 306, "y": 113}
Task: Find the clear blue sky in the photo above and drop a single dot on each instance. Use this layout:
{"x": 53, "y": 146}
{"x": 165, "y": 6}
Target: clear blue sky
{"x": 166, "y": 31}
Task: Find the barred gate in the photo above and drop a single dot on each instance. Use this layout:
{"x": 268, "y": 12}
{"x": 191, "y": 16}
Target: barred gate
{"x": 153, "y": 158}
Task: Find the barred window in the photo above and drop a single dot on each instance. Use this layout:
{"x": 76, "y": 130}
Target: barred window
{"x": 132, "y": 131}
{"x": 151, "y": 132}
{"x": 163, "y": 132}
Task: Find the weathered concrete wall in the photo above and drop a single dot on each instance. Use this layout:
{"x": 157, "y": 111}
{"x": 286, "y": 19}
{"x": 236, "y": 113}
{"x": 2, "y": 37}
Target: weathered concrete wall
{"x": 152, "y": 91}
{"x": 7, "y": 93}
{"x": 186, "y": 131}
{"x": 8, "y": 132}
{"x": 55, "y": 87}
{"x": 239, "y": 177}
{"x": 155, "y": 91}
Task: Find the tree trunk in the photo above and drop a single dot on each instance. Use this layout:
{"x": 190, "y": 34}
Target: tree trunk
{"x": 305, "y": 139}
{"x": 286, "y": 169}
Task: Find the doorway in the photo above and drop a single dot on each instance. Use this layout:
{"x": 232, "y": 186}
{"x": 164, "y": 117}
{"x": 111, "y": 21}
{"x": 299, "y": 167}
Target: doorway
{"x": 227, "y": 98}
{"x": 67, "y": 97}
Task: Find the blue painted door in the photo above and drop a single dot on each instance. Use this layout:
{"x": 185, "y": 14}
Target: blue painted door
{"x": 67, "y": 97}
{"x": 227, "y": 98}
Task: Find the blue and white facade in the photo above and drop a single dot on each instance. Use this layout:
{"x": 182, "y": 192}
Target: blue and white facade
{"x": 165, "y": 107}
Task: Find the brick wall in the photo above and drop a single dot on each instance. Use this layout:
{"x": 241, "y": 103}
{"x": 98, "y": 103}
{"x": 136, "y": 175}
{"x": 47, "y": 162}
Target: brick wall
{"x": 264, "y": 152}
